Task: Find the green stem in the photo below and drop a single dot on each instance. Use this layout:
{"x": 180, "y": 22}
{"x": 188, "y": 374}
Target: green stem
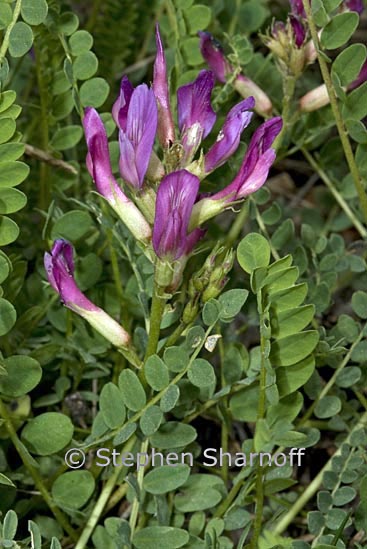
{"x": 225, "y": 407}
{"x": 102, "y": 501}
{"x": 38, "y": 481}
{"x": 312, "y": 488}
{"x": 338, "y": 197}
{"x": 5, "y": 44}
{"x": 289, "y": 87}
{"x": 348, "y": 151}
{"x": 140, "y": 477}
{"x": 44, "y": 199}
{"x": 332, "y": 380}
{"x": 94, "y": 15}
{"x": 156, "y": 313}
{"x": 264, "y": 230}
{"x": 260, "y": 415}
{"x": 178, "y": 331}
{"x": 238, "y": 224}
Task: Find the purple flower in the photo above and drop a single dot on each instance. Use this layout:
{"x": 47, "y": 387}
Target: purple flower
{"x": 256, "y": 163}
{"x": 319, "y": 97}
{"x": 354, "y": 5}
{"x": 361, "y": 78}
{"x": 299, "y": 31}
{"x": 99, "y": 166}
{"x": 137, "y": 139}
{"x": 166, "y": 129}
{"x": 228, "y": 139}
{"x": 196, "y": 117}
{"x": 98, "y": 157}
{"x": 121, "y": 106}
{"x": 212, "y": 52}
{"x": 175, "y": 199}
{"x": 298, "y": 9}
{"x": 59, "y": 267}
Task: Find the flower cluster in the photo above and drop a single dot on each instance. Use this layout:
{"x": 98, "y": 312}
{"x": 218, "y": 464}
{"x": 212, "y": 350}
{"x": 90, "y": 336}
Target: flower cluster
{"x": 159, "y": 199}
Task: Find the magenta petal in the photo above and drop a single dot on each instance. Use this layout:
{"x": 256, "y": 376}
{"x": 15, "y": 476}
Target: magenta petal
{"x": 213, "y": 54}
{"x": 228, "y": 139}
{"x": 193, "y": 103}
{"x": 299, "y": 31}
{"x": 136, "y": 144}
{"x": 256, "y": 163}
{"x": 166, "y": 130}
{"x": 175, "y": 199}
{"x": 297, "y": 8}
{"x": 354, "y": 5}
{"x": 121, "y": 106}
{"x": 59, "y": 267}
{"x": 361, "y": 78}
{"x": 127, "y": 164}
{"x": 98, "y": 157}
{"x": 195, "y": 114}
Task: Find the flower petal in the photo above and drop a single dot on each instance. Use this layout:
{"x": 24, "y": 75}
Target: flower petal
{"x": 256, "y": 163}
{"x": 59, "y": 267}
{"x": 166, "y": 129}
{"x": 175, "y": 199}
{"x": 298, "y": 9}
{"x": 299, "y": 31}
{"x": 194, "y": 104}
{"x": 212, "y": 52}
{"x": 229, "y": 136}
{"x": 136, "y": 144}
{"x": 121, "y": 106}
{"x": 98, "y": 157}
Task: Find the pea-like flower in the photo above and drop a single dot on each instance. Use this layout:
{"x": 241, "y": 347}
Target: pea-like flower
{"x": 212, "y": 52}
{"x": 229, "y": 136}
{"x": 59, "y": 267}
{"x": 99, "y": 166}
{"x": 136, "y": 139}
{"x": 166, "y": 128}
{"x": 319, "y": 96}
{"x": 251, "y": 176}
{"x": 176, "y": 196}
{"x": 196, "y": 117}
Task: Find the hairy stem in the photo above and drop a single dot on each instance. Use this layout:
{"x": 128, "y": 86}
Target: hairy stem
{"x": 348, "y": 151}
{"x": 260, "y": 415}
{"x": 102, "y": 501}
{"x": 338, "y": 197}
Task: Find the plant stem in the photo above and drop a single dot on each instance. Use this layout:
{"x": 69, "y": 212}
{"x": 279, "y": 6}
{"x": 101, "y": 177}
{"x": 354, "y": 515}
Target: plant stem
{"x": 38, "y": 481}
{"x": 5, "y": 44}
{"x": 260, "y": 415}
{"x": 102, "y": 501}
{"x": 156, "y": 313}
{"x": 238, "y": 224}
{"x": 289, "y": 87}
{"x": 312, "y": 488}
{"x": 331, "y": 381}
{"x": 44, "y": 198}
{"x": 140, "y": 477}
{"x": 348, "y": 151}
{"x": 338, "y": 197}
